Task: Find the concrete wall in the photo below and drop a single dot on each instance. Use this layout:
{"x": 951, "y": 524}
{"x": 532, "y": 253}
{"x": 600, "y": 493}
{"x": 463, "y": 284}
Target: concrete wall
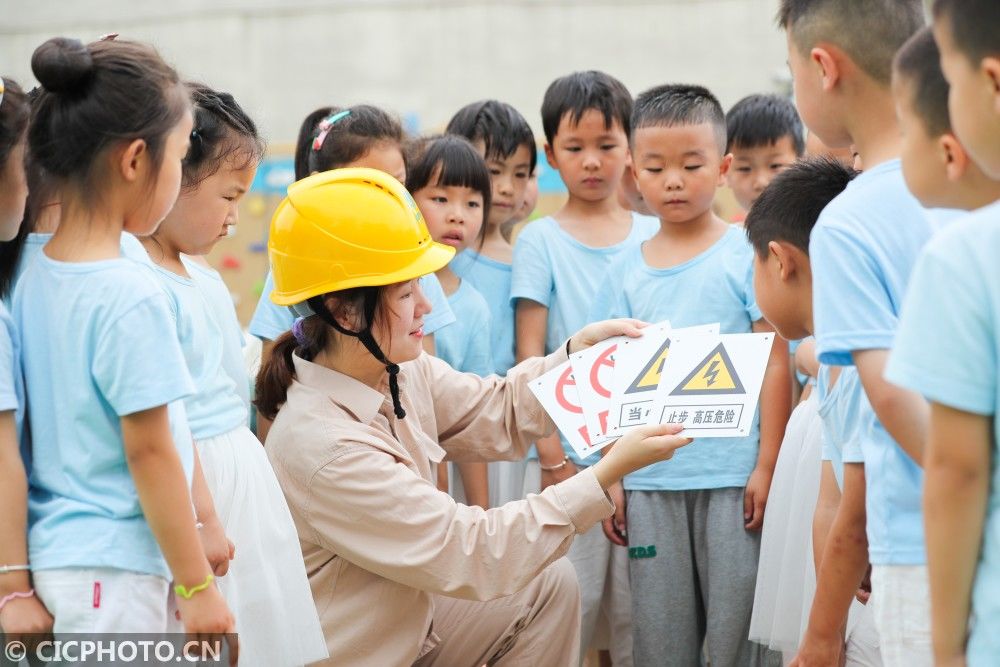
{"x": 422, "y": 58}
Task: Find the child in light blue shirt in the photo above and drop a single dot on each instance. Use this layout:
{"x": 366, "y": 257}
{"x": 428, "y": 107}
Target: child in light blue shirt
{"x": 491, "y": 278}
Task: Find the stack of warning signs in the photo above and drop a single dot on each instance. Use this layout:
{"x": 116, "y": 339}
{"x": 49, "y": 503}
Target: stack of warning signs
{"x": 694, "y": 376}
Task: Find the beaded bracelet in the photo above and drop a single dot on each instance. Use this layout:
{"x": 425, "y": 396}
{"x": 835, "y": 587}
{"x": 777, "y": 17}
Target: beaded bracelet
{"x": 16, "y": 595}
{"x": 188, "y": 593}
{"x": 558, "y": 466}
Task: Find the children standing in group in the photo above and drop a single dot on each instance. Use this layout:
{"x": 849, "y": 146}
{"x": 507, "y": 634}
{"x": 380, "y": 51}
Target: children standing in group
{"x": 266, "y": 586}
{"x": 764, "y": 136}
{"x": 559, "y": 263}
{"x": 954, "y": 306}
{"x": 112, "y": 521}
{"x": 21, "y": 611}
{"x": 695, "y": 269}
{"x": 862, "y": 250}
{"x": 451, "y": 185}
{"x": 503, "y": 137}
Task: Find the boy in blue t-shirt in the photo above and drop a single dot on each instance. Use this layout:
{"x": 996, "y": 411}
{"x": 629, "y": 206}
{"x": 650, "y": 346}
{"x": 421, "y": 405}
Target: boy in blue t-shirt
{"x": 954, "y": 306}
{"x": 701, "y": 516}
{"x": 559, "y": 263}
{"x": 862, "y": 251}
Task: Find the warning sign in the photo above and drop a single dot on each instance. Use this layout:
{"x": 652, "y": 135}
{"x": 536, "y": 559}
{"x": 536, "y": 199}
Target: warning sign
{"x": 711, "y": 384}
{"x": 714, "y": 375}
{"x": 597, "y": 365}
{"x": 648, "y": 378}
{"x": 558, "y": 393}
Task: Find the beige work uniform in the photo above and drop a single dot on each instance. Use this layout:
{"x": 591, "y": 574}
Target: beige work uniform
{"x": 391, "y": 560}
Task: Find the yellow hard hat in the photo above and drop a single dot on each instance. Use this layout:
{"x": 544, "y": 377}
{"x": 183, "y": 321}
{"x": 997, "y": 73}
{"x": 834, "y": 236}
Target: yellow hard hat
{"x": 348, "y": 228}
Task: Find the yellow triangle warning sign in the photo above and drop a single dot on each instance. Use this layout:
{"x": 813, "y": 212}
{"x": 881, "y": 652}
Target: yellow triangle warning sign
{"x": 714, "y": 375}
{"x": 648, "y": 378}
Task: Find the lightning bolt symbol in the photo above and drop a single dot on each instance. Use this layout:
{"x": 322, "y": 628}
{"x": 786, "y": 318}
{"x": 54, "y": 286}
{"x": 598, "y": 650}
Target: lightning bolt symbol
{"x": 711, "y": 373}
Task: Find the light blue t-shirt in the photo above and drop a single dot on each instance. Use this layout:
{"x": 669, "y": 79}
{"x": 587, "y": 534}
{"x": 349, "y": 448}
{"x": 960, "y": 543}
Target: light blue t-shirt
{"x": 11, "y": 381}
{"x": 271, "y": 320}
{"x": 948, "y": 349}
{"x": 220, "y": 306}
{"x": 554, "y": 269}
{"x": 33, "y": 244}
{"x": 215, "y": 406}
{"x": 845, "y": 411}
{"x": 466, "y": 343}
{"x": 102, "y": 346}
{"x": 862, "y": 250}
{"x": 715, "y": 286}
{"x": 492, "y": 280}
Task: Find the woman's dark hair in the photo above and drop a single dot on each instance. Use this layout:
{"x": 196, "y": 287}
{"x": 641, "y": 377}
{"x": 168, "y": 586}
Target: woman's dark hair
{"x": 344, "y": 135}
{"x": 94, "y": 96}
{"x": 221, "y": 130}
{"x": 451, "y": 161}
{"x": 309, "y": 337}
{"x": 307, "y": 132}
{"x": 14, "y": 112}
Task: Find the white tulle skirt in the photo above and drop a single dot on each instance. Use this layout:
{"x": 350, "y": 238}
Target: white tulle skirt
{"x": 786, "y": 577}
{"x": 266, "y": 586}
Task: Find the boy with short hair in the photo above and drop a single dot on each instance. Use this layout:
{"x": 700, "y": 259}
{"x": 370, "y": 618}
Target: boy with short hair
{"x": 559, "y": 263}
{"x": 764, "y": 136}
{"x": 702, "y": 518}
{"x": 954, "y": 306}
{"x": 937, "y": 168}
{"x": 862, "y": 250}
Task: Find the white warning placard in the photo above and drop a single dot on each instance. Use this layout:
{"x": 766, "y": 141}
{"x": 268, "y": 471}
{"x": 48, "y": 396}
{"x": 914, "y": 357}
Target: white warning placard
{"x": 557, "y": 392}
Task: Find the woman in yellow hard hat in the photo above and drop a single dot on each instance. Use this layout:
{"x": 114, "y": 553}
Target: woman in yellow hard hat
{"x": 400, "y": 573}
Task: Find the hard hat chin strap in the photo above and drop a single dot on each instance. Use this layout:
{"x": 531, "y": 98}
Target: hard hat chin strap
{"x": 366, "y": 338}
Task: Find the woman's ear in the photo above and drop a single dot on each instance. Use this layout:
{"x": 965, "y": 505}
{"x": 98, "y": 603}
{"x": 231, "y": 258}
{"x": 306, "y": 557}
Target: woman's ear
{"x": 345, "y": 313}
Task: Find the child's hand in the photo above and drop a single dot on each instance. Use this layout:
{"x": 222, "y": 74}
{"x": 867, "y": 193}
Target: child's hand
{"x": 218, "y": 549}
{"x": 206, "y": 618}
{"x": 616, "y": 526}
{"x": 25, "y": 616}
{"x": 638, "y": 448}
{"x": 755, "y": 498}
{"x": 592, "y": 334}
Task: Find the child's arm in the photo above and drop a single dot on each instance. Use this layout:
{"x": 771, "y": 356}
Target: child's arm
{"x": 475, "y": 482}
{"x": 218, "y": 549}
{"x": 956, "y": 487}
{"x": 20, "y": 616}
{"x": 775, "y": 406}
{"x": 826, "y": 511}
{"x": 843, "y": 566}
{"x": 903, "y": 413}
{"x": 531, "y": 325}
{"x": 166, "y": 503}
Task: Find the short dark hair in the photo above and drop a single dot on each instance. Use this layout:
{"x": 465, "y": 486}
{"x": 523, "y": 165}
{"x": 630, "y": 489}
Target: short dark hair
{"x": 500, "y": 127}
{"x": 352, "y": 133}
{"x": 762, "y": 120}
{"x": 579, "y": 92}
{"x": 790, "y": 205}
{"x": 974, "y": 26}
{"x": 918, "y": 63}
{"x": 454, "y": 162}
{"x": 222, "y": 129}
{"x": 680, "y": 104}
{"x": 869, "y": 31}
{"x": 97, "y": 94}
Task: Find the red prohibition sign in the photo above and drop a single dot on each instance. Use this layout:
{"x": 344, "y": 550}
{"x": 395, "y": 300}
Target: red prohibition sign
{"x": 566, "y": 380}
{"x": 605, "y": 359}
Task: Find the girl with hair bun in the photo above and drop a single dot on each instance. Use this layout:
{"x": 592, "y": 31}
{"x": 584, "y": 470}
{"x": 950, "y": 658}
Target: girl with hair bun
{"x": 266, "y": 585}
{"x": 112, "y": 524}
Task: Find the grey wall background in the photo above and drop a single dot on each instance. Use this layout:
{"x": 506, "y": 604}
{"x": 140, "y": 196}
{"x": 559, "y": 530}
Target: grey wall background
{"x": 421, "y": 58}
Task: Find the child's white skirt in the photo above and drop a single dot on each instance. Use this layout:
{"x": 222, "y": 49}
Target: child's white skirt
{"x": 786, "y": 577}
{"x": 266, "y": 586}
